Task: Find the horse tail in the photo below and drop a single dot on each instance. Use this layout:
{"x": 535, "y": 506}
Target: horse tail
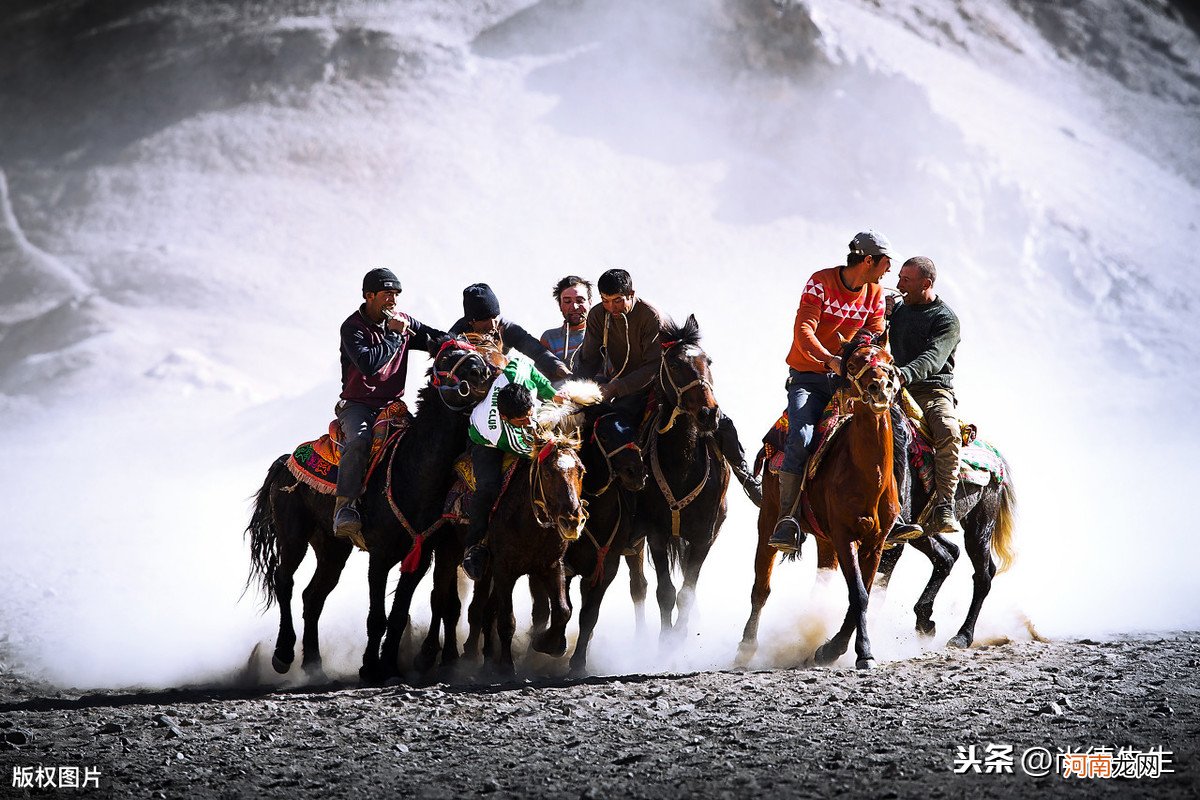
{"x": 675, "y": 550}
{"x": 264, "y": 536}
{"x": 1005, "y": 520}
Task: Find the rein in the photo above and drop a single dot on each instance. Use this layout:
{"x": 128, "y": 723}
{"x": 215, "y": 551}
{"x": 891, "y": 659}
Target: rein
{"x": 677, "y": 506}
{"x": 411, "y": 561}
{"x": 537, "y": 491}
{"x": 873, "y": 360}
{"x": 447, "y": 377}
{"x": 608, "y": 454}
{"x": 670, "y": 381}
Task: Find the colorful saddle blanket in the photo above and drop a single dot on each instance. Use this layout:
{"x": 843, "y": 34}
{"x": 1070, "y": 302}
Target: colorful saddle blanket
{"x": 315, "y": 463}
{"x": 458, "y": 500}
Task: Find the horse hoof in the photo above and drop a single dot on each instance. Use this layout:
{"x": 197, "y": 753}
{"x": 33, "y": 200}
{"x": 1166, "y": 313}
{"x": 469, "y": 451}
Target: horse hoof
{"x": 315, "y": 674}
{"x": 745, "y": 655}
{"x": 578, "y": 671}
{"x": 865, "y": 663}
{"x": 369, "y": 676}
{"x": 960, "y": 642}
{"x": 424, "y": 662}
{"x": 926, "y": 628}
{"x": 825, "y": 655}
{"x": 550, "y": 644}
{"x": 281, "y": 665}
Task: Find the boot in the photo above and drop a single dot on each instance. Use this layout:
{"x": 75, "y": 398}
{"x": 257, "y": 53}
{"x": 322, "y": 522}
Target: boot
{"x": 731, "y": 449}
{"x": 788, "y": 535}
{"x": 346, "y": 521}
{"x": 475, "y": 561}
{"x": 944, "y": 520}
{"x": 903, "y": 531}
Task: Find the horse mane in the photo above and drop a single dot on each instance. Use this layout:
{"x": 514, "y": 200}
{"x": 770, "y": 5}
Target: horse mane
{"x": 687, "y": 333}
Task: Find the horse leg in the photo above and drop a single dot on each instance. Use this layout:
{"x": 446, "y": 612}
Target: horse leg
{"x": 942, "y": 559}
{"x": 506, "y": 623}
{"x": 637, "y": 588}
{"x": 979, "y": 530}
{"x": 764, "y": 564}
{"x": 589, "y": 613}
{"x": 397, "y": 620}
{"x": 665, "y": 591}
{"x": 856, "y": 613}
{"x": 331, "y": 558}
{"x": 445, "y": 608}
{"x": 478, "y": 617}
{"x": 693, "y": 561}
{"x": 540, "y": 616}
{"x": 377, "y": 572}
{"x": 292, "y": 550}
{"x": 552, "y": 584}
{"x": 887, "y": 564}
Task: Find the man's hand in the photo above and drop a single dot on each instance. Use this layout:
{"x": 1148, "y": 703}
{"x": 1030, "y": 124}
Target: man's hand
{"x": 398, "y": 324}
{"x": 834, "y": 365}
{"x": 606, "y": 392}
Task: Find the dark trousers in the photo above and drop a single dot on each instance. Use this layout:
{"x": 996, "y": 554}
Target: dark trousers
{"x": 900, "y": 468}
{"x": 486, "y": 463}
{"x": 356, "y": 420}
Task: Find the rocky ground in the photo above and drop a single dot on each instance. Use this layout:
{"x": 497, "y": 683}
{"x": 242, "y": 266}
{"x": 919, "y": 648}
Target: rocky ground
{"x": 895, "y": 731}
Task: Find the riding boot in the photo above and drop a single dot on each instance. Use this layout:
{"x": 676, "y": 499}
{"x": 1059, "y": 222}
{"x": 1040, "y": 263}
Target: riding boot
{"x": 731, "y": 450}
{"x": 788, "y": 535}
{"x": 946, "y": 480}
{"x": 346, "y": 521}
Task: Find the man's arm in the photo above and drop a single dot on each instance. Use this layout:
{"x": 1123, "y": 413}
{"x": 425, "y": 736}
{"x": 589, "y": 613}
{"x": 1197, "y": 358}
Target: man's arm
{"x": 367, "y": 357}
{"x": 944, "y": 337}
{"x": 516, "y": 336}
{"x": 588, "y": 361}
{"x": 422, "y": 335}
{"x": 633, "y": 381}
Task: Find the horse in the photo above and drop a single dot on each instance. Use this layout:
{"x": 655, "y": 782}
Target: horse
{"x": 537, "y": 515}
{"x": 614, "y": 473}
{"x": 681, "y": 512}
{"x": 987, "y": 514}
{"x": 852, "y": 499}
{"x": 400, "y": 507}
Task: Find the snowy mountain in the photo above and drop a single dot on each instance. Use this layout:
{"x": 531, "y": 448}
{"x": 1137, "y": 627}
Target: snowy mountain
{"x": 190, "y": 193}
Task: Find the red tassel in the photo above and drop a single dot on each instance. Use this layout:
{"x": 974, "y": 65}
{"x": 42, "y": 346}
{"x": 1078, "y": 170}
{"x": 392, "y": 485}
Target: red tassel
{"x": 601, "y": 557}
{"x": 413, "y": 559}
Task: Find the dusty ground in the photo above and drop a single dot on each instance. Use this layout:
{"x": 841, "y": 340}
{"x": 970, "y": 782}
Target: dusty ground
{"x": 891, "y": 732}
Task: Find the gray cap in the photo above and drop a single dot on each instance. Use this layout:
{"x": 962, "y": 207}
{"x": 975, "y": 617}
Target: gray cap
{"x": 871, "y": 243}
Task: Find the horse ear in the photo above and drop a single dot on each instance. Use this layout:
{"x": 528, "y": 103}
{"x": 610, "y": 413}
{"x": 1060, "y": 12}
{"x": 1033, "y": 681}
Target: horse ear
{"x": 882, "y": 339}
{"x": 435, "y": 344}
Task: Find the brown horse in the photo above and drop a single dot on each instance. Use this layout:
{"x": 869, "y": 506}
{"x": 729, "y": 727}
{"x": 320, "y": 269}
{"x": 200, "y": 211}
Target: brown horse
{"x": 536, "y": 517}
{"x": 852, "y": 499}
{"x": 403, "y": 499}
{"x": 987, "y": 514}
{"x": 681, "y": 511}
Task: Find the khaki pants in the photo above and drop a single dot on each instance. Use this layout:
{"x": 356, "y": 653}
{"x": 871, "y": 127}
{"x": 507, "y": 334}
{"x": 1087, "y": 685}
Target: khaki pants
{"x": 938, "y": 405}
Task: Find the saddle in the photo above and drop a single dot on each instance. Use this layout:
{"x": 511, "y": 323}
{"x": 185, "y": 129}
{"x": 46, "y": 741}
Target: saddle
{"x": 458, "y": 500}
{"x": 315, "y": 463}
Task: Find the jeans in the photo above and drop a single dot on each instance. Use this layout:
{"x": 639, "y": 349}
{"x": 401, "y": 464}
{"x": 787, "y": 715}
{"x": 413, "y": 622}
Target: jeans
{"x": 356, "y": 420}
{"x": 808, "y": 394}
{"x": 486, "y": 462}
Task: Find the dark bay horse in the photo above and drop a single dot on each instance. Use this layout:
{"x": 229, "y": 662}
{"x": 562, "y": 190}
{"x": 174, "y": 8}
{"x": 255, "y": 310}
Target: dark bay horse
{"x": 852, "y": 499}
{"x": 615, "y": 473}
{"x": 987, "y": 514}
{"x": 402, "y": 503}
{"x": 537, "y": 516}
{"x": 681, "y": 510}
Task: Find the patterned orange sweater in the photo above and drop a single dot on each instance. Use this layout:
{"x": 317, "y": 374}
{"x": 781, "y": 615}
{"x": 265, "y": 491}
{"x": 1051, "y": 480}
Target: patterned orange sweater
{"x": 828, "y": 315}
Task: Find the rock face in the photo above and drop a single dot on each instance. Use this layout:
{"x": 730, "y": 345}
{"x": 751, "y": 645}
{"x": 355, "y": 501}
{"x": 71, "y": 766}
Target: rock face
{"x": 898, "y": 731}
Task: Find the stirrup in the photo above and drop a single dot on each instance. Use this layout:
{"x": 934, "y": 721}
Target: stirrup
{"x": 787, "y": 536}
{"x": 474, "y": 561}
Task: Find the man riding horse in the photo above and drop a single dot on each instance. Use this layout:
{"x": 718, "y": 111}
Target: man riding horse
{"x": 836, "y": 303}
{"x": 375, "y": 342}
{"x": 622, "y": 352}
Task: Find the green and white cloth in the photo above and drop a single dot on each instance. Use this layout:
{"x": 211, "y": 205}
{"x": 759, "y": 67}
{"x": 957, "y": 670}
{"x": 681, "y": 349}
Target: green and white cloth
{"x": 487, "y": 428}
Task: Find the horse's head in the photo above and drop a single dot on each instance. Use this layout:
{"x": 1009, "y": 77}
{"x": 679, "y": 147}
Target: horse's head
{"x": 556, "y": 483}
{"x": 870, "y": 372}
{"x": 684, "y": 380}
{"x": 460, "y": 373}
{"x": 617, "y": 444}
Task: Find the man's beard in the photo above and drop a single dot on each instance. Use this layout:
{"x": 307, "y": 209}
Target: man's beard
{"x": 573, "y": 319}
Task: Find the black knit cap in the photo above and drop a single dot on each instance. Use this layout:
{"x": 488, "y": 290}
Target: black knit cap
{"x": 381, "y": 280}
{"x": 479, "y": 302}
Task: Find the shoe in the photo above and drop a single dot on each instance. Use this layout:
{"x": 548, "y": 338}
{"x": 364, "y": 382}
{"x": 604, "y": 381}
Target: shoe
{"x": 347, "y": 523}
{"x": 944, "y": 520}
{"x": 903, "y": 532}
{"x": 787, "y": 536}
{"x": 475, "y": 561}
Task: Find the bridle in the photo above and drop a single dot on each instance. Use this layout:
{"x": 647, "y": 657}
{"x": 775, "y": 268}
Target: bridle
{"x": 872, "y": 360}
{"x": 448, "y": 378}
{"x": 608, "y": 454}
{"x": 665, "y": 370}
{"x": 537, "y": 489}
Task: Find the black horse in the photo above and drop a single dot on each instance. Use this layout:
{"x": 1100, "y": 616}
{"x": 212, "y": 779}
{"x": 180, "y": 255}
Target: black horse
{"x": 681, "y": 510}
{"x": 402, "y": 504}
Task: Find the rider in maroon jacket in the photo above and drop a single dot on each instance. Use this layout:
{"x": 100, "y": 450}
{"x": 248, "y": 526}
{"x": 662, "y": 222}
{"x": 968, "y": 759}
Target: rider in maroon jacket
{"x": 375, "y": 343}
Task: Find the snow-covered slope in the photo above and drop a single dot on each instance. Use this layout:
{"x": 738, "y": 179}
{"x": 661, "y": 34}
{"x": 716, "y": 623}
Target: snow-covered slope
{"x": 193, "y": 193}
